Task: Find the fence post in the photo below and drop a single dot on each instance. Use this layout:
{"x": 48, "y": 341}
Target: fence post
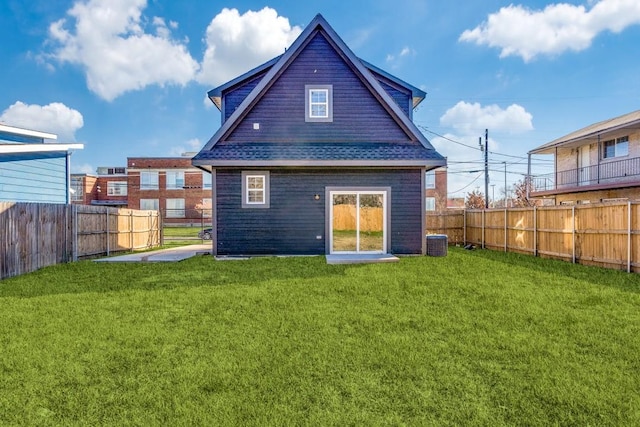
{"x": 464, "y": 227}
{"x": 573, "y": 233}
{"x": 535, "y": 231}
{"x": 131, "y": 228}
{"x": 483, "y": 228}
{"x": 107, "y": 216}
{"x": 505, "y": 229}
{"x": 74, "y": 215}
{"x": 629, "y": 223}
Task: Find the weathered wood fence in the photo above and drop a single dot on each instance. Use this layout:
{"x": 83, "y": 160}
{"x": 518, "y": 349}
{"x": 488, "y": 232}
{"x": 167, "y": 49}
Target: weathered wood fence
{"x": 34, "y": 235}
{"x": 606, "y": 235}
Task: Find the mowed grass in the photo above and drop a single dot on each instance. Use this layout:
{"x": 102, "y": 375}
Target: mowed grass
{"x": 474, "y": 338}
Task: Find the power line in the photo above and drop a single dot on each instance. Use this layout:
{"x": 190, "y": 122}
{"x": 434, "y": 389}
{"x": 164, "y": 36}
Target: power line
{"x": 457, "y": 191}
{"x": 424, "y": 128}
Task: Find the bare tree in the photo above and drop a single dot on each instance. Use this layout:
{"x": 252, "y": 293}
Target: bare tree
{"x": 475, "y": 200}
{"x": 520, "y": 192}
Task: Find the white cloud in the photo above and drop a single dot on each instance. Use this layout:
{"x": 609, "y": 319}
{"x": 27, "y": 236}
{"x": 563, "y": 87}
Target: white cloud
{"x": 474, "y": 118}
{"x": 527, "y": 33}
{"x": 395, "y": 57}
{"x": 188, "y": 146}
{"x": 237, "y": 43}
{"x": 468, "y": 122}
{"x": 108, "y": 41}
{"x": 54, "y": 118}
{"x": 83, "y": 168}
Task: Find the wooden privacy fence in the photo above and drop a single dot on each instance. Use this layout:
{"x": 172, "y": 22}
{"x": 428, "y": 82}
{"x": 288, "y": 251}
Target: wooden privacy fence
{"x": 344, "y": 218}
{"x": 606, "y": 235}
{"x": 35, "y": 235}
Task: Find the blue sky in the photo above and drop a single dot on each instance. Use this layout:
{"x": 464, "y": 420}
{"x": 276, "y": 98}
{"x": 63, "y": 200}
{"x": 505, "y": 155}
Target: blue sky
{"x": 129, "y": 77}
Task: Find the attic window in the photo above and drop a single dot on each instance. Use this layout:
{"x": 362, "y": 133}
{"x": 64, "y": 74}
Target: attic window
{"x": 319, "y": 103}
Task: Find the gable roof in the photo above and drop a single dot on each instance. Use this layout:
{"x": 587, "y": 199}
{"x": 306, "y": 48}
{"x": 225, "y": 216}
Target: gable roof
{"x": 215, "y": 95}
{"x": 278, "y": 66}
{"x": 591, "y": 132}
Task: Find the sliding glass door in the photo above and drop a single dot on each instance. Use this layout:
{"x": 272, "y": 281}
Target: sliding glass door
{"x": 358, "y": 222}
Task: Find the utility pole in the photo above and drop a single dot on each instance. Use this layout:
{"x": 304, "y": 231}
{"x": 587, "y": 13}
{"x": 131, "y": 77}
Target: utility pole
{"x": 506, "y": 192}
{"x": 486, "y": 165}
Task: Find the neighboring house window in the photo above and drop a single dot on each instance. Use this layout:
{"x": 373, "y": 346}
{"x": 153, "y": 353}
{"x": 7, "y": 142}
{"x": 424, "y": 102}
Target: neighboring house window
{"x": 149, "y": 204}
{"x": 175, "y": 208}
{"x": 430, "y": 179}
{"x": 206, "y": 180}
{"x": 430, "y": 203}
{"x": 255, "y": 189}
{"x": 616, "y": 147}
{"x": 148, "y": 180}
{"x": 319, "y": 103}
{"x": 117, "y": 188}
{"x": 175, "y": 180}
{"x": 77, "y": 193}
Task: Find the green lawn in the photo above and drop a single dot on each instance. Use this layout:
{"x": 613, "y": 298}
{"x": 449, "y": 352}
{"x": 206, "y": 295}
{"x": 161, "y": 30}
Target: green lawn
{"x": 474, "y": 338}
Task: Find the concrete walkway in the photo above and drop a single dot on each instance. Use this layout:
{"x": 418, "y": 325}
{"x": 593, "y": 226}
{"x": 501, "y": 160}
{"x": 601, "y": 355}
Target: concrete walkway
{"x": 360, "y": 258}
{"x": 162, "y": 255}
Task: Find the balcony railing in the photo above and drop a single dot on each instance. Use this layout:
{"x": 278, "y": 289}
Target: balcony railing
{"x": 610, "y": 172}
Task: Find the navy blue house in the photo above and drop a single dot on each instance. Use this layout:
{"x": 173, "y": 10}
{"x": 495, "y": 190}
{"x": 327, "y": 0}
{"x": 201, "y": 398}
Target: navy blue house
{"x": 317, "y": 154}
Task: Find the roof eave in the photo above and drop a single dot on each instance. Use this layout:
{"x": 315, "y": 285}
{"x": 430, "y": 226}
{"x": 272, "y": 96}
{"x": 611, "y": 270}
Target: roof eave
{"x": 549, "y": 147}
{"x": 433, "y": 163}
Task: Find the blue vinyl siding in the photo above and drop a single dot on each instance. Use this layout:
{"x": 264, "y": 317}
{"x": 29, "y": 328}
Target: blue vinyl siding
{"x": 403, "y": 99}
{"x": 357, "y": 114}
{"x": 294, "y": 220}
{"x": 41, "y": 180}
{"x": 234, "y": 97}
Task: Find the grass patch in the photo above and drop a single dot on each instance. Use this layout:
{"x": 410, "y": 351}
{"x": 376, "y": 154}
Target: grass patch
{"x": 474, "y": 338}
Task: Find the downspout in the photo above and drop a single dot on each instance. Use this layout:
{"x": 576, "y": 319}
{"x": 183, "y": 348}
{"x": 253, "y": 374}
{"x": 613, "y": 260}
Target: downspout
{"x": 68, "y": 178}
{"x": 555, "y": 170}
{"x": 599, "y": 148}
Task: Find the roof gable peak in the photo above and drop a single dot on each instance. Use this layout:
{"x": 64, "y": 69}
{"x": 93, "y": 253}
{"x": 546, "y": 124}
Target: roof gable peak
{"x": 317, "y": 25}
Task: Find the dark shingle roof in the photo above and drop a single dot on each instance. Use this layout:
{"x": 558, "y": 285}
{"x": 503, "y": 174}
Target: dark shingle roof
{"x": 308, "y": 153}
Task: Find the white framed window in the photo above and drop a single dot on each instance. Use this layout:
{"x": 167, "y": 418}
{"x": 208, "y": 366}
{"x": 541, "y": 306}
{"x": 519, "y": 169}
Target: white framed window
{"x": 206, "y": 180}
{"x": 175, "y": 208}
{"x": 77, "y": 189}
{"x": 319, "y": 103}
{"x": 148, "y": 180}
{"x": 255, "y": 189}
{"x": 430, "y": 179}
{"x": 149, "y": 204}
{"x": 117, "y": 188}
{"x": 429, "y": 203}
{"x": 615, "y": 147}
{"x": 175, "y": 180}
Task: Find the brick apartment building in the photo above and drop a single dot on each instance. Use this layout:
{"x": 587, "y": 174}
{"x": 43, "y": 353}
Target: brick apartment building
{"x": 170, "y": 184}
{"x": 435, "y": 185}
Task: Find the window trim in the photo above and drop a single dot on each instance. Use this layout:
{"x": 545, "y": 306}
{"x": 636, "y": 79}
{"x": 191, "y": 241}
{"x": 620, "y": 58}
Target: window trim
{"x": 174, "y": 212}
{"x": 155, "y": 186}
{"x": 115, "y": 188}
{"x": 308, "y": 103}
{"x": 433, "y": 204}
{"x": 175, "y": 177}
{"x": 614, "y": 143}
{"x": 430, "y": 184}
{"x": 156, "y": 204}
{"x": 246, "y": 204}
